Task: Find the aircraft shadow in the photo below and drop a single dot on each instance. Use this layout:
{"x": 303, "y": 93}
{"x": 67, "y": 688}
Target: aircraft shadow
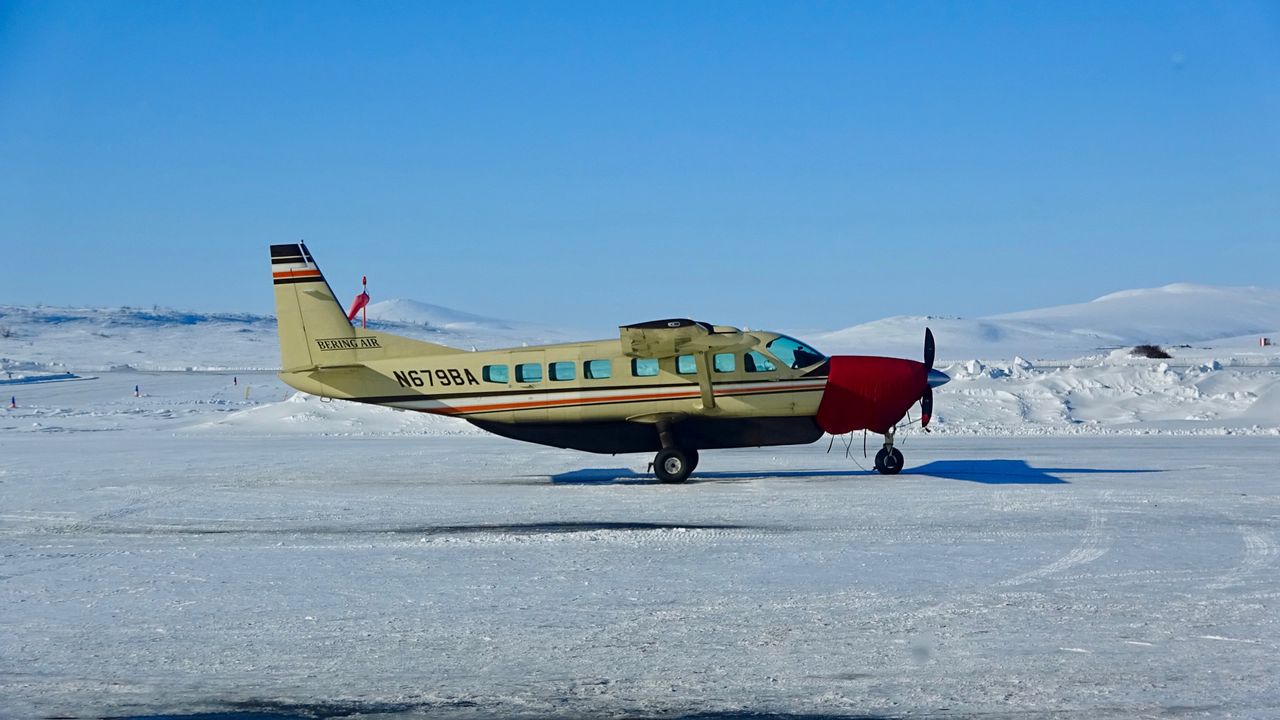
{"x": 627, "y": 476}
{"x": 987, "y": 472}
{"x": 1011, "y": 472}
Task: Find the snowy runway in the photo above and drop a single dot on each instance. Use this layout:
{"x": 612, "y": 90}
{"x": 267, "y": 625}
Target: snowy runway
{"x": 149, "y": 572}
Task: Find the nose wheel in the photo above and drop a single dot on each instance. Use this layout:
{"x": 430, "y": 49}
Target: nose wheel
{"x": 889, "y": 459}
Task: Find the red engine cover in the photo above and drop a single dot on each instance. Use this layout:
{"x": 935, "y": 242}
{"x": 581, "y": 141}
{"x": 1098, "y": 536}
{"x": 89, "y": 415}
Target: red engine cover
{"x": 869, "y": 393}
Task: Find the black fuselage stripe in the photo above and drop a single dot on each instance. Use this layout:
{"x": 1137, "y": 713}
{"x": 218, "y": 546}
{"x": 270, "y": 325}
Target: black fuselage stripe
{"x": 461, "y": 412}
{"x": 542, "y": 391}
{"x": 287, "y": 259}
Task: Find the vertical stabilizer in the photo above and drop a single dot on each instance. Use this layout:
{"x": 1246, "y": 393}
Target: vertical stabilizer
{"x": 306, "y": 309}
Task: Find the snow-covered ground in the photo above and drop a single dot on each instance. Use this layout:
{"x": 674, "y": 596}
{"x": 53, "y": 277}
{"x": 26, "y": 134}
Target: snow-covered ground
{"x": 177, "y": 573}
{"x": 1085, "y": 534}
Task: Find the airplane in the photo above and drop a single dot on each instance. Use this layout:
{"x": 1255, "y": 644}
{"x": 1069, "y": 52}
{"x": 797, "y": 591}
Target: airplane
{"x": 673, "y": 387}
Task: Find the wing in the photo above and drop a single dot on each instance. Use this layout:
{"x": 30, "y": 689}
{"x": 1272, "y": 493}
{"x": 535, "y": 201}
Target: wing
{"x": 681, "y": 336}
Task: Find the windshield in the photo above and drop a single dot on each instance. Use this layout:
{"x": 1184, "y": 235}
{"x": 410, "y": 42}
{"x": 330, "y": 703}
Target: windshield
{"x": 793, "y": 353}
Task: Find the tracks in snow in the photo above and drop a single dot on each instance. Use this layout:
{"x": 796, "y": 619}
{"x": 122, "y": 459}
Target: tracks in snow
{"x": 1094, "y": 542}
{"x": 1259, "y": 552}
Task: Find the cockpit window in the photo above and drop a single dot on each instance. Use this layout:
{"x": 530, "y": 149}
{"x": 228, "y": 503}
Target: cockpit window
{"x": 793, "y": 353}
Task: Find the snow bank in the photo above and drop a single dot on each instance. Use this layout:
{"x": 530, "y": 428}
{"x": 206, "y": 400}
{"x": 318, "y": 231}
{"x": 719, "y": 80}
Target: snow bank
{"x": 1115, "y": 394}
{"x": 310, "y": 415}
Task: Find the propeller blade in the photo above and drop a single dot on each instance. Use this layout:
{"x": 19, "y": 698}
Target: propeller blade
{"x": 926, "y": 407}
{"x": 928, "y": 348}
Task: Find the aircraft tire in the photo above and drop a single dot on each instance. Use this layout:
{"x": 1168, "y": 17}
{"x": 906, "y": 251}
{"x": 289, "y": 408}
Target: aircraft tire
{"x": 672, "y": 465}
{"x": 693, "y": 459}
{"x": 889, "y": 462}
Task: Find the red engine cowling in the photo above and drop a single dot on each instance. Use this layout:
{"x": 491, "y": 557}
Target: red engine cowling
{"x": 870, "y": 393}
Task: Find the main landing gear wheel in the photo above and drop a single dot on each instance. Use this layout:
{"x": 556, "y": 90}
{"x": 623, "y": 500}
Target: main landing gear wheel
{"x": 673, "y": 465}
{"x": 889, "y": 461}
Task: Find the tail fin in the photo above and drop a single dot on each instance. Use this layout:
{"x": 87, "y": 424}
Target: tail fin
{"x": 313, "y": 327}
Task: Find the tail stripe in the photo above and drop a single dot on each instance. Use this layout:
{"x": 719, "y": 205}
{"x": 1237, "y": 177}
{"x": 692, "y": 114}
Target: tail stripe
{"x": 292, "y": 280}
{"x": 293, "y": 264}
{"x": 297, "y": 272}
{"x": 286, "y": 250}
{"x": 299, "y": 275}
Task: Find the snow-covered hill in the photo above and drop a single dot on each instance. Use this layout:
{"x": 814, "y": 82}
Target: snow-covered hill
{"x": 414, "y": 312}
{"x": 98, "y": 339}
{"x": 1224, "y": 319}
{"x": 464, "y": 326}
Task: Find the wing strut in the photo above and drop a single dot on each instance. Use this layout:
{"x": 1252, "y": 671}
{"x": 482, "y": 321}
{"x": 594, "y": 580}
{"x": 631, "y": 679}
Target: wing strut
{"x": 703, "y": 361}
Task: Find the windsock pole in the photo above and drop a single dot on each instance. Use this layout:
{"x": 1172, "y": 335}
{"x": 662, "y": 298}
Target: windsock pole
{"x": 137, "y": 391}
{"x": 364, "y": 311}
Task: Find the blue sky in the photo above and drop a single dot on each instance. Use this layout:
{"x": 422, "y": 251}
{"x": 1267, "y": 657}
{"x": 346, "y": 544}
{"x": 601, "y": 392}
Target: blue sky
{"x": 589, "y": 164}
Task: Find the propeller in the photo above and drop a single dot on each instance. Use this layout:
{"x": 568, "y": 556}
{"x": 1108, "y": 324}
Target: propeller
{"x": 926, "y": 400}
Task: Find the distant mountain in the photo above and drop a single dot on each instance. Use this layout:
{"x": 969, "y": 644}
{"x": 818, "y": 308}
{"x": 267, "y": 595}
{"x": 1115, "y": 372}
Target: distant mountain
{"x": 414, "y": 312}
{"x": 1170, "y": 315}
{"x": 1180, "y": 313}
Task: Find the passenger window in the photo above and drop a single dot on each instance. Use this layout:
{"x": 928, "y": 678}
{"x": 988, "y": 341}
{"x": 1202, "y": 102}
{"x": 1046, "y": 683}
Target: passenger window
{"x": 597, "y": 369}
{"x": 724, "y": 362}
{"x": 560, "y": 370}
{"x": 644, "y": 367}
{"x": 754, "y": 362}
{"x": 686, "y": 365}
{"x": 495, "y": 373}
{"x": 528, "y": 373}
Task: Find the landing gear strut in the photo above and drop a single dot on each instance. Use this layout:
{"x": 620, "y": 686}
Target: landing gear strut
{"x": 889, "y": 459}
{"x": 673, "y": 464}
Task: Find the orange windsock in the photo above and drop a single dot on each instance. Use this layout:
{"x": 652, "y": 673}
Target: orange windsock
{"x": 357, "y": 305}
